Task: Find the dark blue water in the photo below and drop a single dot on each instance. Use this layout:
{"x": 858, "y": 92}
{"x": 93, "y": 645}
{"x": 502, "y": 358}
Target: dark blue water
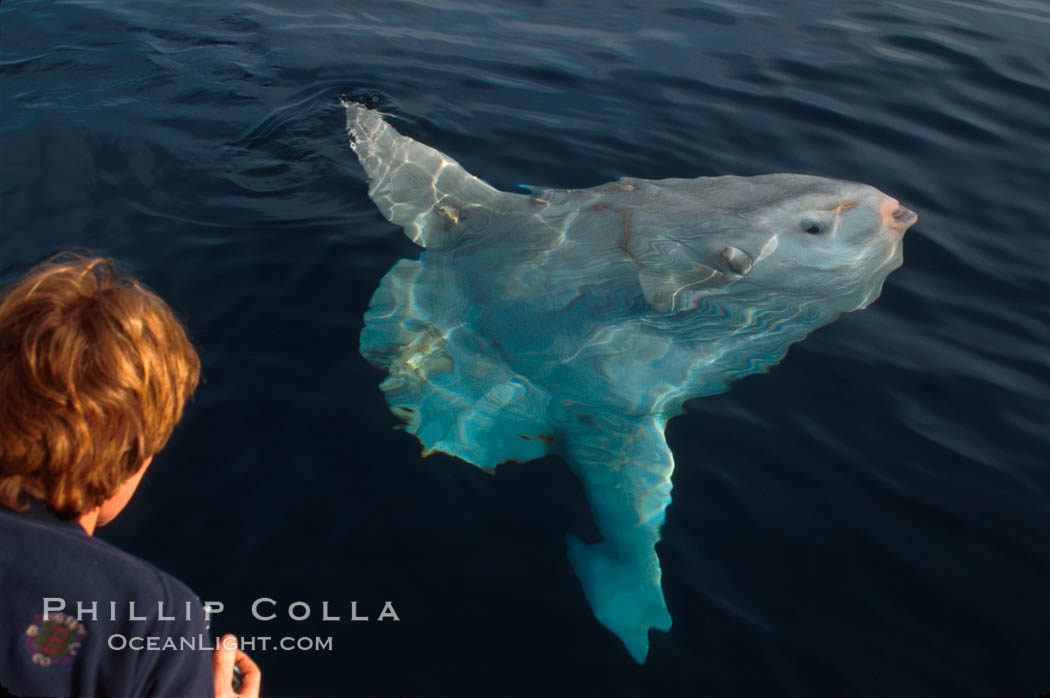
{"x": 871, "y": 518}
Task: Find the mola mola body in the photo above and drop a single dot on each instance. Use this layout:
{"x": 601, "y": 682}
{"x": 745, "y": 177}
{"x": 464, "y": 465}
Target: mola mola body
{"x": 577, "y": 322}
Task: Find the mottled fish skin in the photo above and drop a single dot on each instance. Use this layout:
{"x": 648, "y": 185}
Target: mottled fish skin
{"x": 578, "y": 322}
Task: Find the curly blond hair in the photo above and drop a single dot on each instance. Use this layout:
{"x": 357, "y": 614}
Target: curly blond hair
{"x": 94, "y": 372}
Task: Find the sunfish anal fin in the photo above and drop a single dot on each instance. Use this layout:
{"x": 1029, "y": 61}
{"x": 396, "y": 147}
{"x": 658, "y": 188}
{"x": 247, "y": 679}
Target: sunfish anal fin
{"x": 625, "y": 466}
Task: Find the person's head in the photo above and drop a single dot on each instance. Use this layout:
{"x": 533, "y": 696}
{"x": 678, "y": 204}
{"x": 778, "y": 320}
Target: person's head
{"x": 94, "y": 372}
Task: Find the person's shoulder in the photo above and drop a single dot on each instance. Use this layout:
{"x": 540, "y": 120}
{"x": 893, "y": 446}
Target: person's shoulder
{"x": 43, "y": 547}
{"x": 150, "y": 580}
{"x": 103, "y": 593}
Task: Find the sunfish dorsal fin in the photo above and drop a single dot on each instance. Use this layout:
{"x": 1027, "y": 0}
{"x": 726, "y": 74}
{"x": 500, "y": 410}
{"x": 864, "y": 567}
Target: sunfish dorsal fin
{"x": 415, "y": 186}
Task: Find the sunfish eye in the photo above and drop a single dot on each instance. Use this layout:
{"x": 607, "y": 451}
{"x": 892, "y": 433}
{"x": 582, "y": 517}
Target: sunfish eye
{"x": 813, "y": 226}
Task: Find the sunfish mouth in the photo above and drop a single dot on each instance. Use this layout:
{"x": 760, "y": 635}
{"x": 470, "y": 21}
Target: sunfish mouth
{"x": 896, "y": 217}
{"x": 905, "y": 217}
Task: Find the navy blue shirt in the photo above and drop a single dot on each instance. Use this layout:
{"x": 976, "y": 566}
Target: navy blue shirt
{"x": 157, "y": 647}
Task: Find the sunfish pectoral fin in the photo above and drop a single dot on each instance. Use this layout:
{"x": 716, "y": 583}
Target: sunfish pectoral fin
{"x": 415, "y": 186}
{"x": 625, "y": 467}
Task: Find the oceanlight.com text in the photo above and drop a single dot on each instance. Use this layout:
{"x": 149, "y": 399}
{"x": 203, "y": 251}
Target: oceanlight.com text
{"x": 264, "y": 643}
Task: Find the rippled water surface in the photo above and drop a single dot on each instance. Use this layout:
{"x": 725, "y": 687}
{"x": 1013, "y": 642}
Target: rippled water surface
{"x": 871, "y": 518}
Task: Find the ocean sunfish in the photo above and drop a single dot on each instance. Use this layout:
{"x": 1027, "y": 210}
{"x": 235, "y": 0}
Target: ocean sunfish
{"x": 577, "y": 322}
